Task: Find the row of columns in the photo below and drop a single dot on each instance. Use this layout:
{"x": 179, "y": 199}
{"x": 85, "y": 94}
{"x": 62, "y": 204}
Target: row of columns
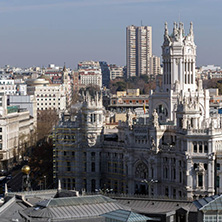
{"x": 167, "y": 72}
{"x": 189, "y": 71}
{"x": 188, "y": 67}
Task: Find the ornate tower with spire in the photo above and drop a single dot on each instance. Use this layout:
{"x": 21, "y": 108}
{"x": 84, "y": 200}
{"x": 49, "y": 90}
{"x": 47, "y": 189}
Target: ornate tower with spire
{"x": 179, "y": 59}
{"x": 92, "y": 114}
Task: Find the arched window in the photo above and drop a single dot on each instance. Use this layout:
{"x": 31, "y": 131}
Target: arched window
{"x": 141, "y": 171}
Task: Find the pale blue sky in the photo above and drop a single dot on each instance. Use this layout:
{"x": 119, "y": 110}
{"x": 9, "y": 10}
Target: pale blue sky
{"x": 39, "y": 32}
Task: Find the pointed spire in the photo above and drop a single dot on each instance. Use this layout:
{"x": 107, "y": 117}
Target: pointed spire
{"x": 166, "y": 29}
{"x": 59, "y": 185}
{"x": 6, "y": 189}
{"x": 191, "y": 28}
{"x": 64, "y": 67}
{"x": 174, "y": 28}
{"x": 181, "y": 30}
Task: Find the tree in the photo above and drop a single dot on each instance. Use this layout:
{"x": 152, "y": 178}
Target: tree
{"x": 47, "y": 119}
{"x": 135, "y": 82}
{"x": 41, "y": 163}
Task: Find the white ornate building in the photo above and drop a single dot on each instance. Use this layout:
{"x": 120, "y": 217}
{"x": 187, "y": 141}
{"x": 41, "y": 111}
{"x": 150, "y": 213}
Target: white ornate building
{"x": 176, "y": 152}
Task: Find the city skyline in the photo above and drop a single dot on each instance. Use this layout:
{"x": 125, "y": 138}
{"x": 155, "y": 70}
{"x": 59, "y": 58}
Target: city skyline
{"x": 42, "y": 32}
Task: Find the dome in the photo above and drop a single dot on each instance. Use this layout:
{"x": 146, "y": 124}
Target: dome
{"x": 26, "y": 169}
{"x": 32, "y": 82}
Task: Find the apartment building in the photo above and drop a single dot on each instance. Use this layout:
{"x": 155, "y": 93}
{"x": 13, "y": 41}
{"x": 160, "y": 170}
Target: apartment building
{"x": 48, "y": 96}
{"x": 138, "y": 50}
{"x": 155, "y": 68}
{"x": 116, "y": 71}
{"x": 90, "y": 76}
{"x": 17, "y": 132}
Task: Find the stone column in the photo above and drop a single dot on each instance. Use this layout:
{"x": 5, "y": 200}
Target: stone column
{"x": 195, "y": 123}
{"x": 170, "y": 72}
{"x": 211, "y": 158}
{"x": 190, "y": 70}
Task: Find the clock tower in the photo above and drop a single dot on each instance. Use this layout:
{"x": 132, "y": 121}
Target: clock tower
{"x": 179, "y": 59}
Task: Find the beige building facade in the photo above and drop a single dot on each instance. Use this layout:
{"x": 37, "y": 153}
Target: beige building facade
{"x": 48, "y": 96}
{"x": 17, "y": 132}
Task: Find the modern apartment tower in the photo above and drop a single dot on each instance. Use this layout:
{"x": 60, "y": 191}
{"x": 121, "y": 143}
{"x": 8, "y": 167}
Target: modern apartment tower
{"x": 138, "y": 50}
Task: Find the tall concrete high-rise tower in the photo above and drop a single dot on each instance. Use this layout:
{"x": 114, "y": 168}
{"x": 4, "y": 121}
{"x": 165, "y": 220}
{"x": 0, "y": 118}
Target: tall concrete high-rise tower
{"x": 131, "y": 50}
{"x": 138, "y": 50}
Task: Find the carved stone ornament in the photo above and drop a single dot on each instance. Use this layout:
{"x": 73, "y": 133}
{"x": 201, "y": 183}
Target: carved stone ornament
{"x": 211, "y": 156}
{"x": 155, "y": 118}
{"x": 152, "y": 143}
{"x": 177, "y": 61}
{"x": 91, "y": 139}
{"x": 200, "y": 167}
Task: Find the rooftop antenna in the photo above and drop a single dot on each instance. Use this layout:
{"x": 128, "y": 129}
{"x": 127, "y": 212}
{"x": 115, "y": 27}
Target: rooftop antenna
{"x": 179, "y": 17}
{"x": 141, "y": 23}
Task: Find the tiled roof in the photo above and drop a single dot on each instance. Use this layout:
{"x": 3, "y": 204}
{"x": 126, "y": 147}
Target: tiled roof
{"x": 73, "y": 201}
{"x": 73, "y": 207}
{"x": 126, "y": 216}
{"x": 156, "y": 206}
{"x": 209, "y": 203}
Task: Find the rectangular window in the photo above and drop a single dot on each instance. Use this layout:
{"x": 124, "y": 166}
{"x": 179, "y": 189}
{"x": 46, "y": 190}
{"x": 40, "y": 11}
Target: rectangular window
{"x": 68, "y": 166}
{"x": 218, "y": 182}
{"x": 64, "y": 183}
{"x": 200, "y": 148}
{"x": 166, "y": 191}
{"x": 115, "y": 167}
{"x": 218, "y": 166}
{"x": 200, "y": 180}
{"x": 205, "y": 148}
{"x": 174, "y": 193}
{"x": 93, "y": 167}
{"x": 180, "y": 177}
{"x": 174, "y": 174}
{"x": 195, "y": 148}
{"x": 166, "y": 173}
{"x": 73, "y": 184}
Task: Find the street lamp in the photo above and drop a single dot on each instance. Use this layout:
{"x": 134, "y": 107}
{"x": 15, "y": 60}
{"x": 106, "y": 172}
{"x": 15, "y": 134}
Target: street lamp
{"x": 149, "y": 183}
{"x": 45, "y": 181}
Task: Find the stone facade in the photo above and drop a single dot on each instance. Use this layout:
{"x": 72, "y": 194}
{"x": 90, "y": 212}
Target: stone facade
{"x": 17, "y": 133}
{"x": 176, "y": 152}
